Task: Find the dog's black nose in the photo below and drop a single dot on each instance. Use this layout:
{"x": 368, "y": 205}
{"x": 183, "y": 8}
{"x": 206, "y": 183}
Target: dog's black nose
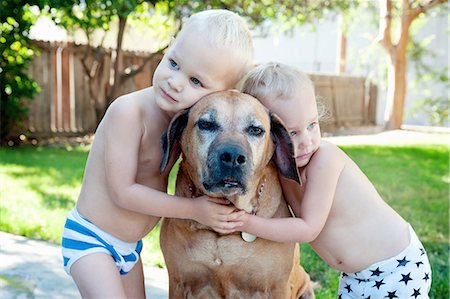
{"x": 232, "y": 156}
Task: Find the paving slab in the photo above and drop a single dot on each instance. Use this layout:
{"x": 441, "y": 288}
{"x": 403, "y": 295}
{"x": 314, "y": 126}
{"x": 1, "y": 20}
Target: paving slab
{"x": 393, "y": 137}
{"x": 33, "y": 269}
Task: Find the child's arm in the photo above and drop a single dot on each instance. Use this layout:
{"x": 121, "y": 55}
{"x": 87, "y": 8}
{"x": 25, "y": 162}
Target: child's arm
{"x": 122, "y": 142}
{"x": 312, "y": 209}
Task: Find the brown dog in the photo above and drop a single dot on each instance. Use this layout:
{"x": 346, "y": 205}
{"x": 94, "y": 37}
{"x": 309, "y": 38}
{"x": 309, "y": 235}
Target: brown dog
{"x": 232, "y": 147}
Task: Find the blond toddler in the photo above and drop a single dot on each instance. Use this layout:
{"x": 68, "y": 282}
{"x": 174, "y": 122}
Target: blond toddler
{"x": 123, "y": 195}
{"x": 338, "y": 211}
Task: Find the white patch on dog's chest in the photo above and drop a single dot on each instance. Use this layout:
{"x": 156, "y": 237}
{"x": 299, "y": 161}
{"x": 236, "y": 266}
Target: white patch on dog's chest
{"x": 215, "y": 251}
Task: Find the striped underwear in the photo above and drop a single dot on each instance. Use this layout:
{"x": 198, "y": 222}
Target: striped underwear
{"x": 81, "y": 237}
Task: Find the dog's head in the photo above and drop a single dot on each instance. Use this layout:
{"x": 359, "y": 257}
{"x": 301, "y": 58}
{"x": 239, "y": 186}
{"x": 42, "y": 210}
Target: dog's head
{"x": 227, "y": 138}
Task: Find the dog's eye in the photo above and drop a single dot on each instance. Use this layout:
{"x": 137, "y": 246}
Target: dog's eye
{"x": 255, "y": 131}
{"x": 206, "y": 125}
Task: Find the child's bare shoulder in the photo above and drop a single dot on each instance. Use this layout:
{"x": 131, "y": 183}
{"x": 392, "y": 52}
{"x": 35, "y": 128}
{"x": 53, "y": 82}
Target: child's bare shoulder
{"x": 131, "y": 106}
{"x": 328, "y": 158}
{"x": 328, "y": 152}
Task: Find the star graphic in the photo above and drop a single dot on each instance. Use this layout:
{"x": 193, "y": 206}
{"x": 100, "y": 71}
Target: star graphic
{"x": 405, "y": 278}
{"x": 416, "y": 293}
{"x": 391, "y": 295}
{"x": 340, "y": 296}
{"x": 402, "y": 262}
{"x": 344, "y": 274}
{"x": 378, "y": 284}
{"x": 360, "y": 280}
{"x": 376, "y": 272}
{"x": 422, "y": 251}
{"x": 419, "y": 263}
{"x": 426, "y": 277}
{"x": 367, "y": 297}
{"x": 348, "y": 287}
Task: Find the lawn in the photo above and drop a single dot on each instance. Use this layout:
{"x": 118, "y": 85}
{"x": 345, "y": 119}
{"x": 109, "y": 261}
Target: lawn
{"x": 40, "y": 184}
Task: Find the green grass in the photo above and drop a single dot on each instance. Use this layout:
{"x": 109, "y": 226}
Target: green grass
{"x": 39, "y": 185}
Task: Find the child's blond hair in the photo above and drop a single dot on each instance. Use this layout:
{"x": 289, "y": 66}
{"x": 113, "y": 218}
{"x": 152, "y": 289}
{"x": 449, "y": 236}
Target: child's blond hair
{"x": 276, "y": 80}
{"x": 224, "y": 29}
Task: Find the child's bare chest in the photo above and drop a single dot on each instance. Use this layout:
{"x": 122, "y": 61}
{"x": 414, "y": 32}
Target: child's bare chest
{"x": 149, "y": 158}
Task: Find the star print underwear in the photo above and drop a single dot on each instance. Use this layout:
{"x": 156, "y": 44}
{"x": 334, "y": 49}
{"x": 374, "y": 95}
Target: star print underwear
{"x": 81, "y": 237}
{"x": 406, "y": 275}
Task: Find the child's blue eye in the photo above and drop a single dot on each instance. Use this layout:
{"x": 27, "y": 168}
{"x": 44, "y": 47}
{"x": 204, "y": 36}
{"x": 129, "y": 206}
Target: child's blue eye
{"x": 292, "y": 133}
{"x": 312, "y": 125}
{"x": 173, "y": 64}
{"x": 196, "y": 82}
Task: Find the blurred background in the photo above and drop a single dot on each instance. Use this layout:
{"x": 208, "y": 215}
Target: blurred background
{"x": 376, "y": 65}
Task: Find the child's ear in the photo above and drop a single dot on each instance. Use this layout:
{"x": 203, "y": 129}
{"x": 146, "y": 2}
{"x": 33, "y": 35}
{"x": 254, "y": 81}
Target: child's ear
{"x": 283, "y": 156}
{"x": 170, "y": 138}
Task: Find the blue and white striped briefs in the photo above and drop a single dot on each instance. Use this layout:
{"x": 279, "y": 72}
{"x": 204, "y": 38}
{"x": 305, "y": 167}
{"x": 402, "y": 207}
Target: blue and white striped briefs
{"x": 81, "y": 237}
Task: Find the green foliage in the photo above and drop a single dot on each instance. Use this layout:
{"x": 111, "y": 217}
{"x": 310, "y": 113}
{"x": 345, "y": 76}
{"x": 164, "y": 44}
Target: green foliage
{"x": 92, "y": 15}
{"x": 287, "y": 12}
{"x": 16, "y": 54}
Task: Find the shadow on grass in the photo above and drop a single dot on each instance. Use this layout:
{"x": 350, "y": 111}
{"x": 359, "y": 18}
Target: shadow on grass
{"x": 49, "y": 172}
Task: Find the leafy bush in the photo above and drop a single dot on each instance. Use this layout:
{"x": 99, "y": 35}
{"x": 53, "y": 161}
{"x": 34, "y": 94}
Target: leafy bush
{"x": 17, "y": 52}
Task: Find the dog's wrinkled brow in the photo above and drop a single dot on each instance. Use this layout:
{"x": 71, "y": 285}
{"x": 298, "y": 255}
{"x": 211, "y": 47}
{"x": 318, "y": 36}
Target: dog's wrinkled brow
{"x": 210, "y": 115}
{"x": 253, "y": 120}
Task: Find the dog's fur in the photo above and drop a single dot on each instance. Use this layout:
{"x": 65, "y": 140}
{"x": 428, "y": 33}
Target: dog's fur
{"x": 232, "y": 147}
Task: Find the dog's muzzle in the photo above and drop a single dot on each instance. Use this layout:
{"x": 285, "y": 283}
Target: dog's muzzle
{"x": 227, "y": 168}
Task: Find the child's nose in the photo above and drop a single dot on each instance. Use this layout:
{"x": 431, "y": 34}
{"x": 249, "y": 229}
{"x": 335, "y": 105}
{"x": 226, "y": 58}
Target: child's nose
{"x": 176, "y": 83}
{"x": 304, "y": 140}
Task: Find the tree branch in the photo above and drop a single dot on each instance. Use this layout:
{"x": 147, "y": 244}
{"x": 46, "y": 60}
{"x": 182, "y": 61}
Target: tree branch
{"x": 422, "y": 8}
{"x": 409, "y": 14}
{"x": 385, "y": 26}
{"x": 131, "y": 71}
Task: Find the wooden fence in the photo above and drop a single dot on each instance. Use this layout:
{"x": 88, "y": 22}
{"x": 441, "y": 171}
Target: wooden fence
{"x": 349, "y": 101}
{"x": 64, "y": 106}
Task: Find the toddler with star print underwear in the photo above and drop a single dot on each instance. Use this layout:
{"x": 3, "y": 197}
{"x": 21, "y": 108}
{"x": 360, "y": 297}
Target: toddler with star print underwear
{"x": 337, "y": 209}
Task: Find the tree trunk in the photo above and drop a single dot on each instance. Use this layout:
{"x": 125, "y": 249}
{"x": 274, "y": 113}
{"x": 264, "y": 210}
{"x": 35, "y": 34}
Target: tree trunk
{"x": 93, "y": 62}
{"x": 396, "y": 91}
{"x": 117, "y": 67}
{"x": 341, "y": 54}
{"x": 397, "y": 71}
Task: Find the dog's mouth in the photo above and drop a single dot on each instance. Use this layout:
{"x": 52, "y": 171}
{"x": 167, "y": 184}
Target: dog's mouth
{"x": 230, "y": 183}
{"x": 225, "y": 187}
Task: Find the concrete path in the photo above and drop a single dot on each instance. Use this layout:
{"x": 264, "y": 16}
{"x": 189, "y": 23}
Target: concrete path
{"x": 371, "y": 136}
{"x": 33, "y": 269}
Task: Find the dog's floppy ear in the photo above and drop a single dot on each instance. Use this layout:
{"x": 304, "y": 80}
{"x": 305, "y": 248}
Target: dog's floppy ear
{"x": 283, "y": 156}
{"x": 170, "y": 139}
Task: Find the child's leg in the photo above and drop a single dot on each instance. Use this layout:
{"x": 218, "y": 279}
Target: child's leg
{"x": 97, "y": 276}
{"x": 133, "y": 282}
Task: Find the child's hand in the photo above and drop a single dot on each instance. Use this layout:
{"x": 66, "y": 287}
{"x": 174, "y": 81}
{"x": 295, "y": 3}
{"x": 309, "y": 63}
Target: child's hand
{"x": 243, "y": 220}
{"x": 217, "y": 213}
